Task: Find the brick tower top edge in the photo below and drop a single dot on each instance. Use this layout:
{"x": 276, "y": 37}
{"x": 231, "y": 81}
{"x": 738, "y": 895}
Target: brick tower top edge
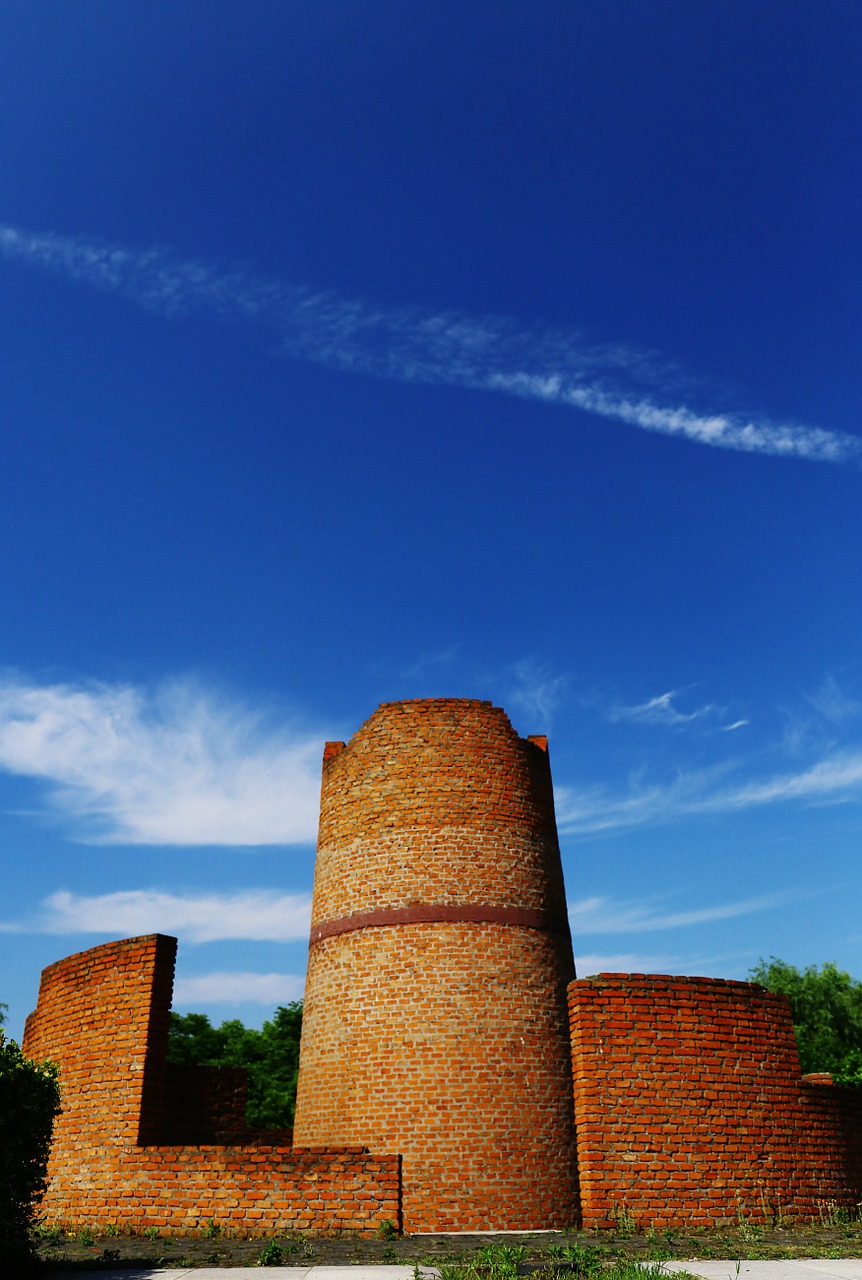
{"x": 437, "y": 800}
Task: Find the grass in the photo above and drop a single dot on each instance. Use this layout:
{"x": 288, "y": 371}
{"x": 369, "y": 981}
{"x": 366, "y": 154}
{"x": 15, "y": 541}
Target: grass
{"x": 501, "y": 1262}
{"x": 564, "y": 1255}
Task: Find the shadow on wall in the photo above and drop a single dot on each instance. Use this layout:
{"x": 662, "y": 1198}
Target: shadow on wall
{"x": 435, "y": 1029}
{"x": 120, "y": 1148}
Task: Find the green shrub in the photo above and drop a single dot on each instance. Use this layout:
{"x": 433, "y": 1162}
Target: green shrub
{"x": 29, "y": 1101}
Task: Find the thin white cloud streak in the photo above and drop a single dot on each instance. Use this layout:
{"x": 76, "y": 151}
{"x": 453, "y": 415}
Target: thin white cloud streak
{"x": 625, "y": 962}
{"x": 603, "y": 915}
{"x": 659, "y": 710}
{"x": 834, "y": 780}
{"x": 179, "y": 766}
{"x": 538, "y": 691}
{"x": 238, "y": 988}
{"x": 251, "y": 915}
{"x": 638, "y": 962}
{"x": 408, "y": 344}
{"x": 833, "y": 703}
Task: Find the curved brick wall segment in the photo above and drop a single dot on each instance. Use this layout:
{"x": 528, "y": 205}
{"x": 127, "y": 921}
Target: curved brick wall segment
{"x": 435, "y": 1020}
{"x": 449, "y": 777}
{"x": 691, "y": 1107}
{"x": 122, "y": 1149}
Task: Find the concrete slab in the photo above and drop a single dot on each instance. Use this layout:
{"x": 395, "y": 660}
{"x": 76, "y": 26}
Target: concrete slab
{"x": 784, "y": 1269}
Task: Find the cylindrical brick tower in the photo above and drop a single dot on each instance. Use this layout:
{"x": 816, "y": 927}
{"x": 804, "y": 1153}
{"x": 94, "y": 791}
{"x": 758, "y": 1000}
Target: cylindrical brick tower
{"x": 435, "y": 1020}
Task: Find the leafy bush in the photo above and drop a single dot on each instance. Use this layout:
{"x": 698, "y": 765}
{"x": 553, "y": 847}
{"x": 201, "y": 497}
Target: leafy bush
{"x": 29, "y": 1101}
{"x": 827, "y": 1015}
{"x": 270, "y": 1055}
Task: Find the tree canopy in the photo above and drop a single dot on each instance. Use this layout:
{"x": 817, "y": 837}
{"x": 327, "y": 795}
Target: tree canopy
{"x": 271, "y": 1057}
{"x": 827, "y": 1015}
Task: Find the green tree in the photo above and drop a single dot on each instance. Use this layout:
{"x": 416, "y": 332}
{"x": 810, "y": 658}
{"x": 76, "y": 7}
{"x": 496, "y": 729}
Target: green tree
{"x": 827, "y": 1015}
{"x": 271, "y": 1057}
{"x": 29, "y": 1101}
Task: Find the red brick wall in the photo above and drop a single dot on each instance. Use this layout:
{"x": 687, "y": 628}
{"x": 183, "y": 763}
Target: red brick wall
{"x": 691, "y": 1107}
{"x": 103, "y": 1016}
{"x": 435, "y": 1020}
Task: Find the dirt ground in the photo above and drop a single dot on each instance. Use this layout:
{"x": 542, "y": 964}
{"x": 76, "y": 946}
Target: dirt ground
{"x": 74, "y": 1252}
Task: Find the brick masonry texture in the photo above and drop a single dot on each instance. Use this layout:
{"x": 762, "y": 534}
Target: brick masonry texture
{"x": 122, "y": 1145}
{"x": 436, "y": 1030}
{"x": 691, "y": 1107}
{"x": 443, "y": 1039}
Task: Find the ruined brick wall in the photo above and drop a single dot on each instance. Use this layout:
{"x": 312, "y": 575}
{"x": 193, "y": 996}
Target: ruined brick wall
{"x": 691, "y": 1107}
{"x": 435, "y": 1019}
{"x": 122, "y": 1144}
{"x": 103, "y": 1015}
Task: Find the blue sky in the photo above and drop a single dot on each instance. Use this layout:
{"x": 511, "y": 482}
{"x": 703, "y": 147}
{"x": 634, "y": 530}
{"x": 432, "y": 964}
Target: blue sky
{"x": 362, "y": 352}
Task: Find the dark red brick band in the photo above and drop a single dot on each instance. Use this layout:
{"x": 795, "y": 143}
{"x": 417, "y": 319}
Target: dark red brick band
{"x": 459, "y": 913}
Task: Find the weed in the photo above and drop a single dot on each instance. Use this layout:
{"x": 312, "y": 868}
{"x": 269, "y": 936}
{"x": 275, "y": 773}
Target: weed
{"x": 110, "y": 1255}
{"x": 833, "y": 1214}
{"x": 151, "y": 1233}
{"x": 212, "y": 1230}
{"x": 624, "y": 1221}
{"x": 86, "y": 1238}
{"x": 499, "y": 1261}
{"x": 390, "y": 1253}
{"x": 587, "y": 1260}
{"x": 387, "y": 1230}
{"x": 271, "y": 1255}
{"x": 111, "y": 1229}
{"x": 746, "y": 1228}
{"x": 632, "y": 1269}
{"x": 52, "y": 1235}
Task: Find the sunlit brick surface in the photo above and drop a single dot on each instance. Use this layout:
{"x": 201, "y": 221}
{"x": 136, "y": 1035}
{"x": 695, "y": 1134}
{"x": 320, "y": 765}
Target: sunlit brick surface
{"x": 691, "y": 1108}
{"x": 445, "y": 1041}
{"x": 120, "y": 1150}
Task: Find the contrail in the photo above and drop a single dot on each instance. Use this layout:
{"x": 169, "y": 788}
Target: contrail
{"x": 487, "y": 353}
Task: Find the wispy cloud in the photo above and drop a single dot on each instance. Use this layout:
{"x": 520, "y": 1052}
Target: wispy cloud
{"x": 251, "y": 915}
{"x": 178, "y": 766}
{"x": 640, "y": 962}
{"x": 428, "y": 664}
{"x": 625, "y": 962}
{"x": 409, "y": 344}
{"x": 836, "y": 779}
{"x": 834, "y": 703}
{"x": 602, "y": 915}
{"x": 238, "y": 988}
{"x": 659, "y": 710}
{"x": 537, "y": 690}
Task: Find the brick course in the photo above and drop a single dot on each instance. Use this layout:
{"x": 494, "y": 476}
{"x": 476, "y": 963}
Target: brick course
{"x": 122, "y": 1149}
{"x": 691, "y": 1107}
{"x": 436, "y": 1030}
{"x": 435, "y": 1019}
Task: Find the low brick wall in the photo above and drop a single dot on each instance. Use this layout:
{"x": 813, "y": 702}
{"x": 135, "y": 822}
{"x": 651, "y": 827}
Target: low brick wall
{"x": 122, "y": 1148}
{"x": 181, "y": 1190}
{"x": 690, "y": 1106}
